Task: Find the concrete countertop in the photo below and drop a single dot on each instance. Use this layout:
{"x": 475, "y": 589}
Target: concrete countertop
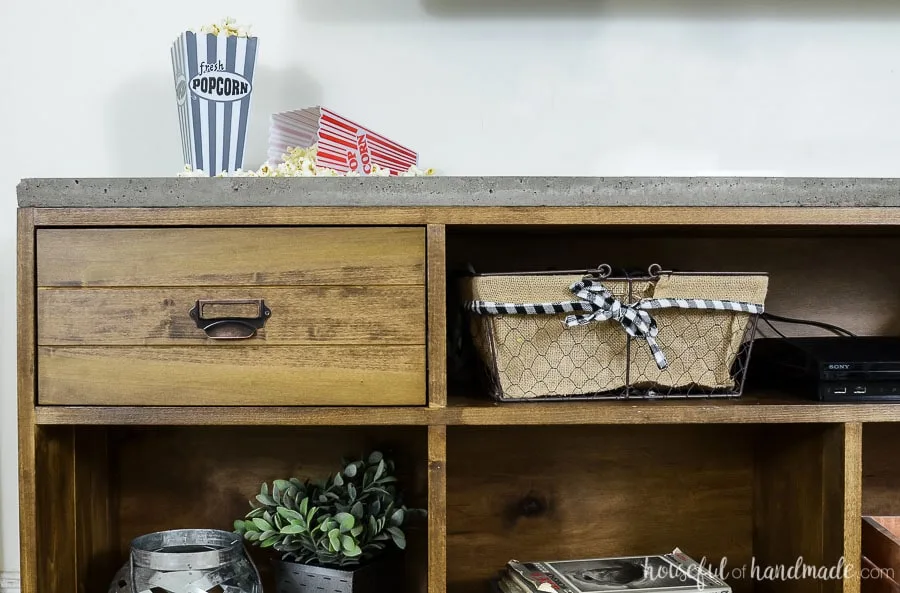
{"x": 459, "y": 191}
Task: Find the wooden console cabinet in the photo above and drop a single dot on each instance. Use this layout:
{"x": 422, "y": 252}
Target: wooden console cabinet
{"x": 132, "y": 419}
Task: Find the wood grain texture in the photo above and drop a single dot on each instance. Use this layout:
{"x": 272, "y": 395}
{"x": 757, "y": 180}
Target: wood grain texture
{"x": 94, "y": 531}
{"x": 437, "y": 316}
{"x": 231, "y": 256}
{"x": 25, "y": 375}
{"x": 233, "y": 416}
{"x": 437, "y": 509}
{"x": 229, "y": 217}
{"x": 474, "y": 215}
{"x": 300, "y": 315}
{"x": 55, "y": 537}
{"x": 747, "y": 410}
{"x": 759, "y": 407}
{"x": 797, "y": 512}
{"x": 842, "y": 500}
{"x": 578, "y": 491}
{"x": 246, "y": 375}
{"x": 881, "y": 470}
{"x": 881, "y": 542}
{"x": 203, "y": 477}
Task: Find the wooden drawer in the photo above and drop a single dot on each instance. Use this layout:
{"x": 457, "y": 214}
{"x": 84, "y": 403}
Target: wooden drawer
{"x": 347, "y": 322}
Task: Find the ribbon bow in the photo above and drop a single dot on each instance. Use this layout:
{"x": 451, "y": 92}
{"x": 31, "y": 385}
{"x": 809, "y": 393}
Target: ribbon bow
{"x": 605, "y": 307}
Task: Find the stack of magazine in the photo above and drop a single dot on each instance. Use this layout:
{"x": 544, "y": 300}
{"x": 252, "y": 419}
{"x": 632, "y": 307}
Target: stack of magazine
{"x": 675, "y": 572}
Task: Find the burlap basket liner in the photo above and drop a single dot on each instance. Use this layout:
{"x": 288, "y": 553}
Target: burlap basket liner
{"x": 537, "y": 356}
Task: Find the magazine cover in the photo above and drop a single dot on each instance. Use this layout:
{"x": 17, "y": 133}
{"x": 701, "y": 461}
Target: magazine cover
{"x": 669, "y": 573}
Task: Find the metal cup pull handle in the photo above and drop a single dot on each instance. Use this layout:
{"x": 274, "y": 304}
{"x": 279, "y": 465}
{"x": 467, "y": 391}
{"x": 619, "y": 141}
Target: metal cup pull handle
{"x": 212, "y": 317}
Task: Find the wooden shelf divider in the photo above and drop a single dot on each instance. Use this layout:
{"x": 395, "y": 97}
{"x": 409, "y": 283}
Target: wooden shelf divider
{"x": 436, "y": 286}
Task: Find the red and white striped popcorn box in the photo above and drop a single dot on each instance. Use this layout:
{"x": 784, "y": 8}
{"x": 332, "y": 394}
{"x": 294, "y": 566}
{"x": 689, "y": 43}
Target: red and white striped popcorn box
{"x": 343, "y": 145}
{"x": 213, "y": 86}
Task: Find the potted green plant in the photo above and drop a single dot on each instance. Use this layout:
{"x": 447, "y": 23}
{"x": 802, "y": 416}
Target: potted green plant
{"x": 335, "y": 535}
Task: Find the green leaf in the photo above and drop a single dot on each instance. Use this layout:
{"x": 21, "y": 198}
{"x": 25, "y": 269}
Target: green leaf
{"x": 357, "y": 510}
{"x": 334, "y": 537}
{"x": 289, "y": 514}
{"x": 398, "y": 517}
{"x": 282, "y": 485}
{"x": 267, "y": 534}
{"x": 398, "y": 537}
{"x": 323, "y": 499}
{"x": 338, "y": 480}
{"x": 304, "y": 506}
{"x": 351, "y": 490}
{"x": 293, "y": 529}
{"x": 266, "y": 500}
{"x": 380, "y": 471}
{"x": 373, "y": 526}
{"x": 279, "y": 521}
{"x": 348, "y": 543}
{"x": 264, "y": 489}
{"x": 346, "y": 521}
{"x": 263, "y": 525}
{"x": 276, "y": 494}
{"x": 269, "y": 542}
{"x": 375, "y": 507}
{"x": 357, "y": 531}
{"x": 252, "y": 536}
{"x": 267, "y": 517}
{"x": 375, "y": 457}
{"x": 350, "y": 470}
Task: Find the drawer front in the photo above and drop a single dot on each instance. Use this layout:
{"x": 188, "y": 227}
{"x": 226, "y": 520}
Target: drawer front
{"x": 231, "y": 257}
{"x": 345, "y": 322}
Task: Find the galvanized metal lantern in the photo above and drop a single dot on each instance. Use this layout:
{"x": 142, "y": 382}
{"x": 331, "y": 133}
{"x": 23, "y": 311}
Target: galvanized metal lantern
{"x": 187, "y": 561}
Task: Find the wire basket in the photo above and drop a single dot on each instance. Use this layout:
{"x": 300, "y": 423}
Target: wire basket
{"x": 592, "y": 335}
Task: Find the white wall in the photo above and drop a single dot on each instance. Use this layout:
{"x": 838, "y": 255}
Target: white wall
{"x": 588, "y": 87}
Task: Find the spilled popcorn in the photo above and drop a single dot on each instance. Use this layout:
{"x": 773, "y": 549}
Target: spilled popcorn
{"x": 228, "y": 27}
{"x": 301, "y": 162}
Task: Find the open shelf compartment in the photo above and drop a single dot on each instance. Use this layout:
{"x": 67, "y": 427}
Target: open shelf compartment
{"x": 815, "y": 272}
{"x": 750, "y": 494}
{"x": 98, "y": 488}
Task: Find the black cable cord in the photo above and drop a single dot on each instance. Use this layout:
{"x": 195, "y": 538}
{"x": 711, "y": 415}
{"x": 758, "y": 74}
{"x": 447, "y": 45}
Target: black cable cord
{"x": 774, "y": 329}
{"x": 769, "y": 318}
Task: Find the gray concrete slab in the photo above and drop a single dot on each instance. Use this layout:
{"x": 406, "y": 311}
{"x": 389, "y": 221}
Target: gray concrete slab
{"x": 459, "y": 191}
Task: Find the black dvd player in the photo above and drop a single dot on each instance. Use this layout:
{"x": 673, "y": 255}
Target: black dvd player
{"x": 831, "y": 369}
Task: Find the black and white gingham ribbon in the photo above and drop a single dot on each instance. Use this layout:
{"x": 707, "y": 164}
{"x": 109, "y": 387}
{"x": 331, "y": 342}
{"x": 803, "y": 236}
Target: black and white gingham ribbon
{"x": 599, "y": 304}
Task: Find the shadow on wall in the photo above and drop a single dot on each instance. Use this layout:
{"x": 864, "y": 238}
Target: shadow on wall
{"x": 400, "y": 10}
{"x": 142, "y": 129}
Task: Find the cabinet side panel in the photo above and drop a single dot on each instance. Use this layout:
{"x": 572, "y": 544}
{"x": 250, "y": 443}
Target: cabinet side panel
{"x": 26, "y": 398}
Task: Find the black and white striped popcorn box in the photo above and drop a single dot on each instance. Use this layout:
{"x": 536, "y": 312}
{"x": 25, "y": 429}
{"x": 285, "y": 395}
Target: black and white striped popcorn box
{"x": 213, "y": 87}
